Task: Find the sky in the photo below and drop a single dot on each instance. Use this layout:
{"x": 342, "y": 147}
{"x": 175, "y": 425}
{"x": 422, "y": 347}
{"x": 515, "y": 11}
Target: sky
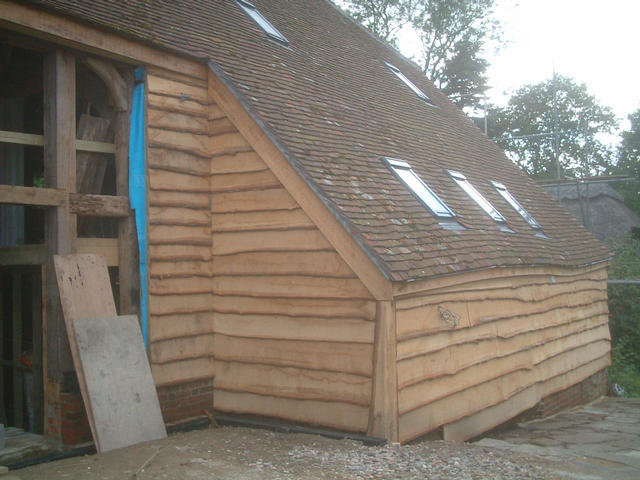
{"x": 594, "y": 42}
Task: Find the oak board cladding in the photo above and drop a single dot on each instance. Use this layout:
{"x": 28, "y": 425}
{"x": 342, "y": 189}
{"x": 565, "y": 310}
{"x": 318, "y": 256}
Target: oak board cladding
{"x": 179, "y": 229}
{"x": 293, "y": 324}
{"x": 465, "y": 348}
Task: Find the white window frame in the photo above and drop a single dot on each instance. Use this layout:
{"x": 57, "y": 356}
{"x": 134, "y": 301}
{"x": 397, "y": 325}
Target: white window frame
{"x": 272, "y": 32}
{"x": 403, "y": 171}
{"x": 396, "y": 71}
{"x": 482, "y": 202}
{"x": 517, "y": 206}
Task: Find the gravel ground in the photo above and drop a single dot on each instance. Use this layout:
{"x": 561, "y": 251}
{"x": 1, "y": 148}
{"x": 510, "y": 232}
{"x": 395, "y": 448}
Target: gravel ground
{"x": 241, "y": 453}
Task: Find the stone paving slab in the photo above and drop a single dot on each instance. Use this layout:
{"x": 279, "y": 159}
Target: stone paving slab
{"x": 598, "y": 441}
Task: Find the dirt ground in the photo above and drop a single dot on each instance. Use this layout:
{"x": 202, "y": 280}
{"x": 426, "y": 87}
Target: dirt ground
{"x": 233, "y": 453}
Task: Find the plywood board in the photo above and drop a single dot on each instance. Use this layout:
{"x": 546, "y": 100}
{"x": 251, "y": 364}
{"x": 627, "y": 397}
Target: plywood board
{"x": 118, "y": 380}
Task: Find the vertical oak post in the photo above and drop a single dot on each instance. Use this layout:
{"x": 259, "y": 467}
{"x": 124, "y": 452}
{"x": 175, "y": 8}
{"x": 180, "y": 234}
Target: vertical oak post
{"x": 60, "y": 224}
{"x": 383, "y": 412}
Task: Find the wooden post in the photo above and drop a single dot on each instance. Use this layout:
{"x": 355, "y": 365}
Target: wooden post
{"x": 60, "y": 223}
{"x": 383, "y": 412}
{"x": 36, "y": 357}
{"x": 120, "y": 90}
{"x": 16, "y": 327}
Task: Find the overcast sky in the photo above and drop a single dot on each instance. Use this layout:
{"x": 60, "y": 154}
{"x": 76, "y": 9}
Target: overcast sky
{"x": 596, "y": 42}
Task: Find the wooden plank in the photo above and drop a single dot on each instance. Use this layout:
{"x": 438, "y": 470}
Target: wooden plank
{"x": 179, "y": 234}
{"x": 496, "y": 415}
{"x": 99, "y": 205}
{"x": 343, "y": 357}
{"x": 75, "y": 34}
{"x": 182, "y": 303}
{"x": 160, "y": 198}
{"x": 107, "y": 247}
{"x": 290, "y": 286}
{"x": 124, "y": 401}
{"x": 178, "y": 326}
{"x": 331, "y": 308}
{"x": 22, "y": 255}
{"x": 383, "y": 412}
{"x": 37, "y": 359}
{"x": 176, "y": 88}
{"x": 326, "y": 220}
{"x": 290, "y": 382}
{"x": 253, "y": 201}
{"x": 179, "y": 285}
{"x": 20, "y": 138}
{"x": 318, "y": 263}
{"x": 182, "y": 371}
{"x": 180, "y": 268}
{"x": 93, "y": 146}
{"x": 45, "y": 197}
{"x": 468, "y": 402}
{"x": 181, "y": 348}
{"x": 178, "y": 122}
{"x": 222, "y": 125}
{"x": 177, "y": 161}
{"x": 347, "y": 330}
{"x": 179, "y": 216}
{"x": 173, "y": 104}
{"x": 244, "y": 181}
{"x": 268, "y": 220}
{"x": 85, "y": 292}
{"x": 240, "y": 162}
{"x": 179, "y": 253}
{"x": 342, "y": 416}
{"x": 224, "y": 141}
{"x": 181, "y": 182}
{"x": 269, "y": 241}
{"x": 189, "y": 142}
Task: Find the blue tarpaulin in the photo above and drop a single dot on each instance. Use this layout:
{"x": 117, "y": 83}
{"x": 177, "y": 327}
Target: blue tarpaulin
{"x": 138, "y": 190}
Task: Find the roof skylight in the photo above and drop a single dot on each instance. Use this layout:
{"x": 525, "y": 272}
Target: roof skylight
{"x": 420, "y": 189}
{"x": 262, "y": 22}
{"x": 477, "y": 197}
{"x": 511, "y": 200}
{"x": 409, "y": 83}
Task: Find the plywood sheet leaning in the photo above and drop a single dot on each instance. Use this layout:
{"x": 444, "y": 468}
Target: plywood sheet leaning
{"x": 86, "y": 297}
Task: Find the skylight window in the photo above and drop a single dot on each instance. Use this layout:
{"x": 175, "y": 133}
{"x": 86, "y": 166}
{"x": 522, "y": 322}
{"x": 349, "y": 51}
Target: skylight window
{"x": 482, "y": 202}
{"x": 420, "y": 189}
{"x": 262, "y": 22}
{"x": 408, "y": 83}
{"x": 511, "y": 200}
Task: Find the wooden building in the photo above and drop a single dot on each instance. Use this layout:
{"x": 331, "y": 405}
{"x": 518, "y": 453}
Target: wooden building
{"x": 322, "y": 236}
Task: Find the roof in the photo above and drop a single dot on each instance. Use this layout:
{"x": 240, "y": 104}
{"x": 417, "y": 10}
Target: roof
{"x": 334, "y": 108}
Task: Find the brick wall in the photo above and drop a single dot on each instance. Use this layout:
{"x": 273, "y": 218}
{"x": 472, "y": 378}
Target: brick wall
{"x": 186, "y": 400}
{"x": 75, "y": 424}
{"x": 584, "y": 392}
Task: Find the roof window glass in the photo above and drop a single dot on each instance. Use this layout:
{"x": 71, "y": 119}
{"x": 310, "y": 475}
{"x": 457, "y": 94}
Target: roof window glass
{"x": 511, "y": 200}
{"x": 477, "y": 197}
{"x": 262, "y": 22}
{"x": 409, "y": 83}
{"x": 420, "y": 189}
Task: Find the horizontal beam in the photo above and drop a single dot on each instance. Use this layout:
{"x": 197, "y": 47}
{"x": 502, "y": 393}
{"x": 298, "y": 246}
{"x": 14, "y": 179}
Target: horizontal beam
{"x": 99, "y": 205}
{"x": 38, "y": 140}
{"x": 36, "y": 254}
{"x": 44, "y": 197}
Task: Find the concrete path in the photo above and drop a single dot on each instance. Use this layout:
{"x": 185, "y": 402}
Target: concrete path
{"x": 598, "y": 441}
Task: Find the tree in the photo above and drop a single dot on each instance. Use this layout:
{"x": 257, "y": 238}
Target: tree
{"x": 629, "y": 163}
{"x": 555, "y": 116}
{"x": 453, "y": 35}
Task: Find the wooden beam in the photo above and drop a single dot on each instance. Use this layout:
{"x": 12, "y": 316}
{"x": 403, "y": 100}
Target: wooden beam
{"x": 114, "y": 82}
{"x": 44, "y": 197}
{"x": 383, "y": 411}
{"x": 63, "y": 30}
{"x": 60, "y": 223}
{"x": 99, "y": 205}
{"x": 16, "y": 329}
{"x": 22, "y": 255}
{"x": 352, "y": 253}
{"x": 38, "y": 141}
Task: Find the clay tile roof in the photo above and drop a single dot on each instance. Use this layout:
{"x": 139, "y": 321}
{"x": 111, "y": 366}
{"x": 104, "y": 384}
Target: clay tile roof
{"x": 334, "y": 109}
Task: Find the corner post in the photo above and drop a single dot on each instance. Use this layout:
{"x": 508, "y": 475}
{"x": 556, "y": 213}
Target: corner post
{"x": 383, "y": 412}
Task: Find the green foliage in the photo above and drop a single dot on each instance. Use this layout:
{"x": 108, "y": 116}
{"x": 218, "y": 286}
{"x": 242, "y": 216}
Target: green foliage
{"x": 555, "y": 110}
{"x": 629, "y": 163}
{"x": 624, "y": 314}
{"x": 453, "y": 37}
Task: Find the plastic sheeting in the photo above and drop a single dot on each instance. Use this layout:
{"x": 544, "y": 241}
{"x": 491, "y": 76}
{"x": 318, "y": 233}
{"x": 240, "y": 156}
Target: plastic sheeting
{"x": 138, "y": 190}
